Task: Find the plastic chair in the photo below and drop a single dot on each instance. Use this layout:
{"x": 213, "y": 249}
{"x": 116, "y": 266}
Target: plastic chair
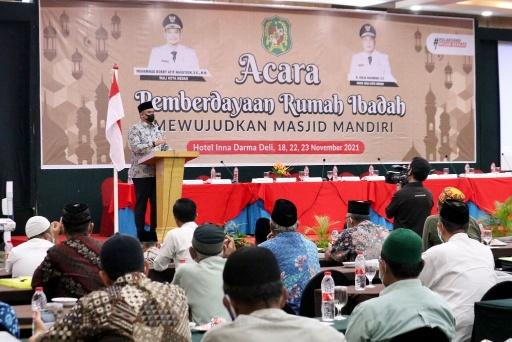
{"x": 307, "y": 301}
{"x": 422, "y": 334}
{"x": 501, "y": 290}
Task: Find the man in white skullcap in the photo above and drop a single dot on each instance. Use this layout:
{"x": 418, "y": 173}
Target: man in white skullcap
{"x": 24, "y": 259}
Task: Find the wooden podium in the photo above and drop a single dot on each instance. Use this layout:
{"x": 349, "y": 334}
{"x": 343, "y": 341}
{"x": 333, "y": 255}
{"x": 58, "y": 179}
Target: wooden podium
{"x": 169, "y": 167}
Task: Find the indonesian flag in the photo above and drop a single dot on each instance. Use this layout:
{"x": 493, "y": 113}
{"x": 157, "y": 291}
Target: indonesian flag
{"x": 113, "y": 132}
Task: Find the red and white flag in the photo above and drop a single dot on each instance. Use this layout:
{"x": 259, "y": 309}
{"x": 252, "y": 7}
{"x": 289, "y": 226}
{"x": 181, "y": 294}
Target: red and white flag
{"x": 113, "y": 132}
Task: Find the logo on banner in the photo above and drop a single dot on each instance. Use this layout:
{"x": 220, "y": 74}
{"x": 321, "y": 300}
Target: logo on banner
{"x": 276, "y": 36}
{"x": 451, "y": 44}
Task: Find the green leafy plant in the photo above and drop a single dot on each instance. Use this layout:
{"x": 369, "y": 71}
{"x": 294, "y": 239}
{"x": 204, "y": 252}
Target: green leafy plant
{"x": 232, "y": 229}
{"x": 321, "y": 230}
{"x": 501, "y": 220}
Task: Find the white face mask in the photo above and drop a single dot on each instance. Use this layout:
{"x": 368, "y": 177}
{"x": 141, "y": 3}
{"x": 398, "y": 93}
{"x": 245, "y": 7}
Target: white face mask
{"x": 439, "y": 235}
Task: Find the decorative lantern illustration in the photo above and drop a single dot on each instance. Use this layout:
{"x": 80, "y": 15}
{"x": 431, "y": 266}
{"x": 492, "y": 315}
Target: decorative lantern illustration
{"x": 429, "y": 64}
{"x": 116, "y": 23}
{"x": 417, "y": 40}
{"x": 101, "y": 44}
{"x": 448, "y": 71}
{"x": 77, "y": 58}
{"x": 64, "y": 24}
{"x": 49, "y": 46}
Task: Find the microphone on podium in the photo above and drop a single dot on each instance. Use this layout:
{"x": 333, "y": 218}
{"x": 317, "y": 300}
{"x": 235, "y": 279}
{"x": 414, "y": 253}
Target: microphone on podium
{"x": 227, "y": 168}
{"x": 323, "y": 169}
{"x": 450, "y": 164}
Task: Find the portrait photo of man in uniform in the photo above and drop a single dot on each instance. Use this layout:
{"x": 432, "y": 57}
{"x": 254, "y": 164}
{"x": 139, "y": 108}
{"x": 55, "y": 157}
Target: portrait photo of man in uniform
{"x": 370, "y": 65}
{"x": 173, "y": 55}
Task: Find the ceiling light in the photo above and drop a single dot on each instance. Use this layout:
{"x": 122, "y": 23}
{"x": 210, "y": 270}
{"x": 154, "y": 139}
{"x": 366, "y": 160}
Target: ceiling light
{"x": 486, "y": 13}
{"x": 416, "y": 8}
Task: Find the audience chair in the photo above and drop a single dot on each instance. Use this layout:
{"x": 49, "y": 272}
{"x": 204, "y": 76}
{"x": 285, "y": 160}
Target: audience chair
{"x": 422, "y": 334}
{"x": 501, "y": 290}
{"x": 307, "y": 302}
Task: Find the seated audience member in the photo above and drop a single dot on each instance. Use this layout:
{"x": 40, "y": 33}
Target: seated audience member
{"x": 202, "y": 280}
{"x": 24, "y": 258}
{"x": 461, "y": 269}
{"x": 254, "y": 294}
{"x": 404, "y": 305}
{"x": 8, "y": 320}
{"x": 262, "y": 230}
{"x": 297, "y": 256}
{"x": 361, "y": 234}
{"x": 130, "y": 308}
{"x": 430, "y": 236}
{"x": 178, "y": 241}
{"x": 70, "y": 269}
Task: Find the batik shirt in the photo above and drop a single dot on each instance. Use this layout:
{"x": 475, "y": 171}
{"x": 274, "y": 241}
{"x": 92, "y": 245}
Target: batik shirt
{"x": 140, "y": 139}
{"x": 8, "y": 320}
{"x": 298, "y": 261}
{"x": 366, "y": 236}
{"x": 134, "y": 308}
{"x": 70, "y": 268}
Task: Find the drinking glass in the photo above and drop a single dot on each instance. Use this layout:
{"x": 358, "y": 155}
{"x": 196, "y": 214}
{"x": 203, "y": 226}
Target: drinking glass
{"x": 371, "y": 267}
{"x": 340, "y": 300}
{"x": 471, "y": 170}
{"x": 218, "y": 175}
{"x": 487, "y": 236}
{"x": 329, "y": 175}
{"x": 375, "y": 172}
{"x": 498, "y": 169}
{"x": 266, "y": 174}
{"x": 446, "y": 171}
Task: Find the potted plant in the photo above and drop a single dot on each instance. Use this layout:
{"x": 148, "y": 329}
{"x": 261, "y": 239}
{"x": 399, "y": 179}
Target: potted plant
{"x": 501, "y": 220}
{"x": 232, "y": 229}
{"x": 321, "y": 230}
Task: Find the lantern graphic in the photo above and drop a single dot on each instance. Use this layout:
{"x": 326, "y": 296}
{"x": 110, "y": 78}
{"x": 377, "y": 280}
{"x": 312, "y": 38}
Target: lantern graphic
{"x": 116, "y": 23}
{"x": 417, "y": 40}
{"x": 101, "y": 44}
{"x": 49, "y": 46}
{"x": 77, "y": 58}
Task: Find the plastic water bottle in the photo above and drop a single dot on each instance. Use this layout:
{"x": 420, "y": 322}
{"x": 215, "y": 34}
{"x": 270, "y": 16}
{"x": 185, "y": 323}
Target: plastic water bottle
{"x": 335, "y": 173}
{"x": 213, "y": 173}
{"x": 466, "y": 169}
{"x": 235, "y": 175}
{"x": 493, "y": 167}
{"x": 327, "y": 297}
{"x": 306, "y": 172}
{"x": 38, "y": 302}
{"x": 360, "y": 281}
{"x": 371, "y": 170}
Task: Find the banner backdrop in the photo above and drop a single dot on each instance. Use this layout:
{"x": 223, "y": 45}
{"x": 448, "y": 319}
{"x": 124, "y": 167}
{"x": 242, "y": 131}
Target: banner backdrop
{"x": 255, "y": 85}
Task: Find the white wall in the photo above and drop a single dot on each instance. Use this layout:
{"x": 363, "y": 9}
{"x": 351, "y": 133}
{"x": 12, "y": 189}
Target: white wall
{"x": 505, "y": 79}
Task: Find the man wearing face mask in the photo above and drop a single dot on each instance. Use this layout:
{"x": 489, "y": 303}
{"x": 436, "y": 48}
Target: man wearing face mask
{"x": 361, "y": 234}
{"x": 461, "y": 269}
{"x": 143, "y": 138}
{"x": 412, "y": 203}
{"x": 404, "y": 305}
{"x": 255, "y": 296}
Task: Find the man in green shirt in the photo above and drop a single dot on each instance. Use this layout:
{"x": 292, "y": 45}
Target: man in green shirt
{"x": 430, "y": 236}
{"x": 404, "y": 305}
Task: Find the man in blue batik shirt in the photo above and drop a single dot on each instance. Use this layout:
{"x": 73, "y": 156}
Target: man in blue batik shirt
{"x": 297, "y": 256}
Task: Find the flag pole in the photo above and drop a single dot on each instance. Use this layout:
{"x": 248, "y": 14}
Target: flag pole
{"x": 116, "y": 203}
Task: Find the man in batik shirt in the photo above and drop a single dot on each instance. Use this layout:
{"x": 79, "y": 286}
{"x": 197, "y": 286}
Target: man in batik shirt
{"x": 145, "y": 137}
{"x": 130, "y": 308}
{"x": 296, "y": 255}
{"x": 361, "y": 235}
{"x": 70, "y": 269}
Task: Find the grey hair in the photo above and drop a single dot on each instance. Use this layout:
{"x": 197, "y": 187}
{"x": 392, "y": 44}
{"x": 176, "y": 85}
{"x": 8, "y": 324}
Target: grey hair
{"x": 282, "y": 229}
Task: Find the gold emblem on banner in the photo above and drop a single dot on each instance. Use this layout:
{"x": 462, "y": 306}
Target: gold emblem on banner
{"x": 276, "y": 36}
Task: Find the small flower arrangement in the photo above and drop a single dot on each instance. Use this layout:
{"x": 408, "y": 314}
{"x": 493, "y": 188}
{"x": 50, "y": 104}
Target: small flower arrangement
{"x": 280, "y": 170}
